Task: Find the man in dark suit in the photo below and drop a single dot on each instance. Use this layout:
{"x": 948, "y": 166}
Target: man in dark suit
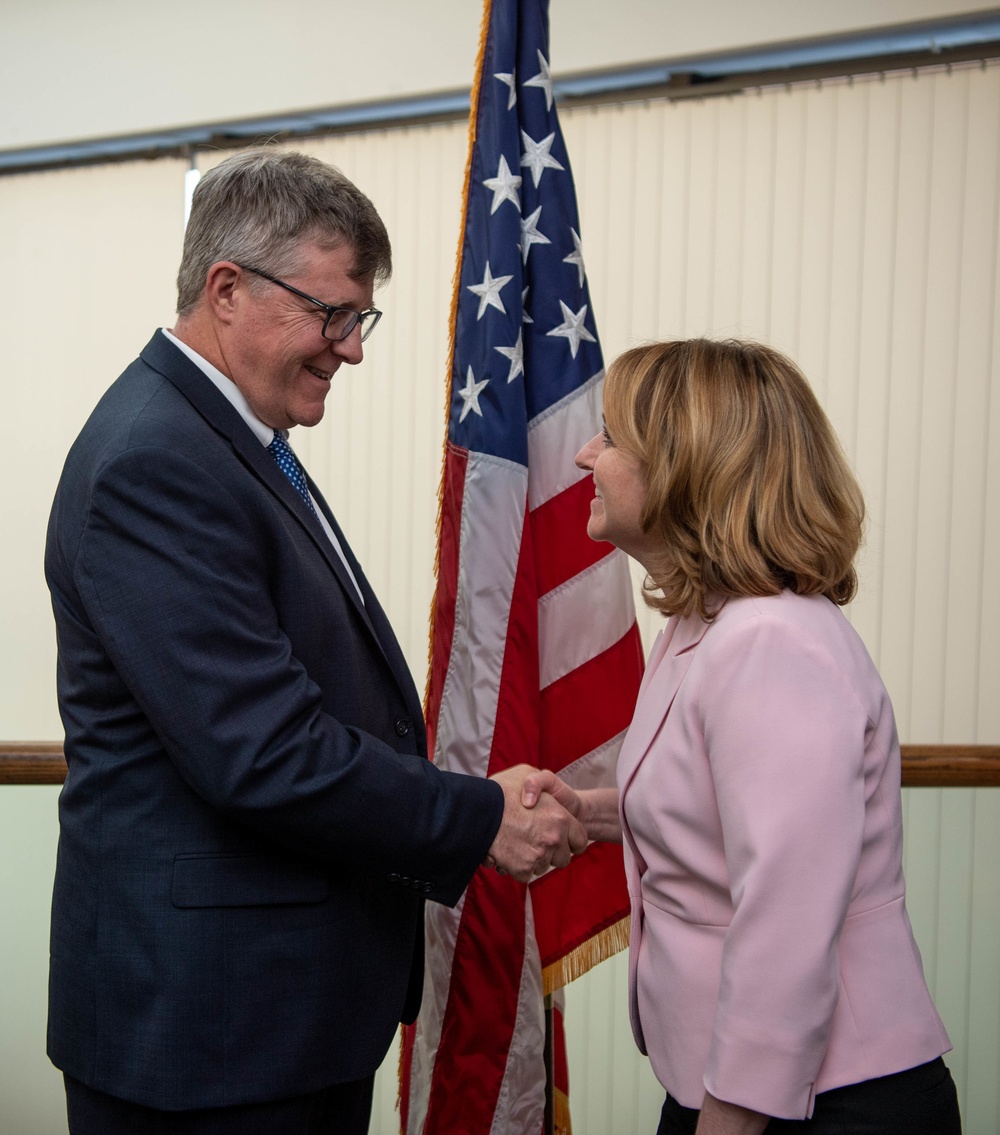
{"x": 249, "y": 826}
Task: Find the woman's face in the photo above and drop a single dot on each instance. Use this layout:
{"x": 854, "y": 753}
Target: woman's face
{"x": 619, "y": 494}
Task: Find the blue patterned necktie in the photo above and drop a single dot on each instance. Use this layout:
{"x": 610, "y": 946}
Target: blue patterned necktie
{"x": 281, "y": 451}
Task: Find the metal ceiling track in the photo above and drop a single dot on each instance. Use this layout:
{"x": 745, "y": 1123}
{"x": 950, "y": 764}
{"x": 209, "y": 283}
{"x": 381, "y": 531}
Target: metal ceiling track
{"x": 935, "y": 43}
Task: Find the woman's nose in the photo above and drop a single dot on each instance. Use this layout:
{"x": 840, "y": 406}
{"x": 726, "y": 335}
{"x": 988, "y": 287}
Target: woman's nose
{"x": 588, "y": 455}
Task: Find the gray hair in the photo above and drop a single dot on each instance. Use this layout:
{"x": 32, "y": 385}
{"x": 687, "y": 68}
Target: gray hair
{"x": 259, "y": 206}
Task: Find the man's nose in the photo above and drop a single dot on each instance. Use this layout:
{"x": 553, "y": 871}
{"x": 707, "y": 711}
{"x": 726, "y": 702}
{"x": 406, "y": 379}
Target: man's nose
{"x": 349, "y": 349}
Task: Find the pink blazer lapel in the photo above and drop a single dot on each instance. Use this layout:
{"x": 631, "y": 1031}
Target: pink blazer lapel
{"x": 668, "y": 663}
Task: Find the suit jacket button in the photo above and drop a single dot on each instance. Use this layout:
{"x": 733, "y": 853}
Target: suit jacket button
{"x": 427, "y": 888}
{"x": 393, "y": 877}
{"x": 402, "y": 727}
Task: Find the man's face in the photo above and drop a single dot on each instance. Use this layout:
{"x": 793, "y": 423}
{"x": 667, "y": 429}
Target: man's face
{"x": 274, "y": 347}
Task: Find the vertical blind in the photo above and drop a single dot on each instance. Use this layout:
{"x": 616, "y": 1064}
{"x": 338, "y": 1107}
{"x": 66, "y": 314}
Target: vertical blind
{"x": 852, "y": 224}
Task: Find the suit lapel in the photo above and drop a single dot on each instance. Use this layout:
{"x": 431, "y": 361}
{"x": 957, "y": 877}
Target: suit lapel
{"x": 215, "y": 408}
{"x": 366, "y": 604}
{"x": 371, "y": 608}
{"x": 263, "y": 465}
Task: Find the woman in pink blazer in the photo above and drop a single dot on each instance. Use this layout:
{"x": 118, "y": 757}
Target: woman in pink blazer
{"x": 772, "y": 967}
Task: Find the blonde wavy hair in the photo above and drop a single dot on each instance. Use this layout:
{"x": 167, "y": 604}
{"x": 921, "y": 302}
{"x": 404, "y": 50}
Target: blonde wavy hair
{"x": 747, "y": 486}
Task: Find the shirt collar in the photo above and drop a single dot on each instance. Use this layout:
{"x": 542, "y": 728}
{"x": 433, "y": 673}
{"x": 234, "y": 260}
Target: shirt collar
{"x": 228, "y": 388}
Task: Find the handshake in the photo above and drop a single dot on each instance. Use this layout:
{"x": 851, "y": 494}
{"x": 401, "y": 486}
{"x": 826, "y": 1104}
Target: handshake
{"x": 541, "y": 827}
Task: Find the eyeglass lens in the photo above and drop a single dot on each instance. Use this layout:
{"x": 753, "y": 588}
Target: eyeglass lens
{"x": 343, "y": 321}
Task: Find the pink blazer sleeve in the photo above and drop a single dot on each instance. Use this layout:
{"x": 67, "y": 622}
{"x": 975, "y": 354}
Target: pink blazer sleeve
{"x": 785, "y": 736}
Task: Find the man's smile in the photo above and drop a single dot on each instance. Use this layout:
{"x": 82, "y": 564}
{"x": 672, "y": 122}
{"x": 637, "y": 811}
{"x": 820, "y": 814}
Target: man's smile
{"x": 325, "y": 375}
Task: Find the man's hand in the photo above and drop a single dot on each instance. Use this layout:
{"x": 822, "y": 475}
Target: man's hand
{"x": 531, "y": 840}
{"x": 541, "y": 780}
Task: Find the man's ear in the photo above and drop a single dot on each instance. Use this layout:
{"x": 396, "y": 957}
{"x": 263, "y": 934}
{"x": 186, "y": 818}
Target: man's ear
{"x": 223, "y": 287}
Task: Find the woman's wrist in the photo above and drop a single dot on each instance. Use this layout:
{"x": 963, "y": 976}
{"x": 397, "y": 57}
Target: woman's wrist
{"x": 599, "y": 814}
{"x": 721, "y": 1118}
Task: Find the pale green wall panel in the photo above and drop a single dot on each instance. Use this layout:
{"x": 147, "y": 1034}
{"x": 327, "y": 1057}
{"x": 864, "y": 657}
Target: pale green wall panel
{"x": 31, "y": 1091}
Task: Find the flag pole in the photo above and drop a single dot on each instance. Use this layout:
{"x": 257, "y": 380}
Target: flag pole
{"x": 550, "y": 1111}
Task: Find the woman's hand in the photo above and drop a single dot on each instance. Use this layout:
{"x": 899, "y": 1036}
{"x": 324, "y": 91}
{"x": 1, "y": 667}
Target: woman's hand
{"x": 595, "y": 808}
{"x": 720, "y": 1118}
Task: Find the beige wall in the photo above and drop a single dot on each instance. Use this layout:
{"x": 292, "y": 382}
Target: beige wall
{"x": 72, "y": 69}
{"x": 854, "y": 225}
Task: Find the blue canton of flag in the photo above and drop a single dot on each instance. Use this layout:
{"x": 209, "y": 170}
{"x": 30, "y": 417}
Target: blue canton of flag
{"x": 523, "y": 306}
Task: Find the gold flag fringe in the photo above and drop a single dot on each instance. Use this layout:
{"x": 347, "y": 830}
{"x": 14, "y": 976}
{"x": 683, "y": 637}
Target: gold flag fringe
{"x": 562, "y": 1123}
{"x": 455, "y": 288}
{"x": 577, "y": 962}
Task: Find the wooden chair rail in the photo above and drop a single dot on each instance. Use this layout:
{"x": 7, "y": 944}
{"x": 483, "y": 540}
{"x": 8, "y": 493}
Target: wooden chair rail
{"x": 951, "y": 766}
{"x": 924, "y": 766}
{"x": 32, "y": 762}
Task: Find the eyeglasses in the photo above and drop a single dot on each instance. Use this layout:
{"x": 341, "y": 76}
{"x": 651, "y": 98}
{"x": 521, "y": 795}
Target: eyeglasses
{"x": 340, "y": 321}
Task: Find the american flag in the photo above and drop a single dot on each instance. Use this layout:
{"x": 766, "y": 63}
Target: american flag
{"x": 535, "y": 655}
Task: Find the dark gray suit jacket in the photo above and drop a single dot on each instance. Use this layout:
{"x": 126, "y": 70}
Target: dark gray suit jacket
{"x": 249, "y": 825}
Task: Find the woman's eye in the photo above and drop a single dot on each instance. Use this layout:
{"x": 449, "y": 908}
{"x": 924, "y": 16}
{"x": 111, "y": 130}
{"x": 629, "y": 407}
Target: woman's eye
{"x": 607, "y": 437}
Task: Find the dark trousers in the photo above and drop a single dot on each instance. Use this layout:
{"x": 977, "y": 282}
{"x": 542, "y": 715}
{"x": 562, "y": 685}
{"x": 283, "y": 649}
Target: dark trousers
{"x": 919, "y": 1101}
{"x": 344, "y": 1109}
